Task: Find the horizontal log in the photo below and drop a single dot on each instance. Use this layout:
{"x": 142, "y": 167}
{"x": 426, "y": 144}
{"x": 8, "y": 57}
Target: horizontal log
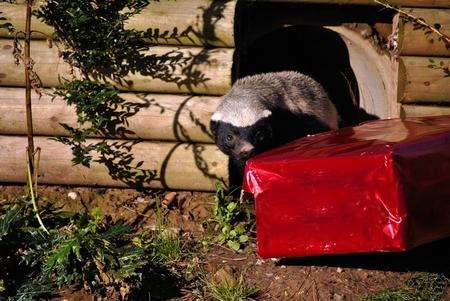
{"x": 199, "y": 70}
{"x": 415, "y": 41}
{"x": 15, "y": 14}
{"x": 424, "y": 79}
{"x": 415, "y": 3}
{"x": 181, "y": 22}
{"x": 179, "y": 166}
{"x": 417, "y": 110}
{"x": 198, "y": 22}
{"x": 159, "y": 116}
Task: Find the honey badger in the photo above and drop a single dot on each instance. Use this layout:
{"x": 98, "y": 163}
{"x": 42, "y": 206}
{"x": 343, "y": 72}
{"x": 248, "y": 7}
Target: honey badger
{"x": 266, "y": 110}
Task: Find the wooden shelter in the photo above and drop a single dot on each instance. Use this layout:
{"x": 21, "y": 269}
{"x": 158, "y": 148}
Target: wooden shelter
{"x": 225, "y": 40}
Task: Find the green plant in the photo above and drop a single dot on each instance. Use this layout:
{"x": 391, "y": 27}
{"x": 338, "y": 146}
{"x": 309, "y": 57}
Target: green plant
{"x": 81, "y": 251}
{"x": 231, "y": 290}
{"x": 166, "y": 246}
{"x": 424, "y": 287}
{"x": 232, "y": 220}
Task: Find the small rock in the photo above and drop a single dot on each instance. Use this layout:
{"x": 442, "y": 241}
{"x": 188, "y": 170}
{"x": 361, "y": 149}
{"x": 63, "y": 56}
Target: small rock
{"x": 140, "y": 200}
{"x": 259, "y": 262}
{"x": 339, "y": 270}
{"x": 168, "y": 199}
{"x": 274, "y": 259}
{"x": 269, "y": 274}
{"x": 337, "y": 297}
{"x": 73, "y": 195}
{"x": 283, "y": 266}
{"x": 225, "y": 274}
{"x": 277, "y": 277}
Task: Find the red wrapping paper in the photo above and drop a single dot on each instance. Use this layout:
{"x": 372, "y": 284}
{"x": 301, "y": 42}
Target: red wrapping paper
{"x": 378, "y": 187}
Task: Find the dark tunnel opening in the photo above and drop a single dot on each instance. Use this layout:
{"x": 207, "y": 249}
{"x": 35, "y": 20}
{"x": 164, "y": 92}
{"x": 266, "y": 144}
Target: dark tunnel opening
{"x": 313, "y": 50}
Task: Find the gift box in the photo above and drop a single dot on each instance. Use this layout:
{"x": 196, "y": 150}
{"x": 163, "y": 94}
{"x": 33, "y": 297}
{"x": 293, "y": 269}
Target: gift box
{"x": 382, "y": 186}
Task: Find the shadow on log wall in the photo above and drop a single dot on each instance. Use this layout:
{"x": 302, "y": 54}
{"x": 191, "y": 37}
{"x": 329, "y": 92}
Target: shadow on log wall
{"x": 182, "y": 161}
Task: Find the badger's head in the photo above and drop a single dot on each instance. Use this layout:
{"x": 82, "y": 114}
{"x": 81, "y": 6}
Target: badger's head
{"x": 242, "y": 131}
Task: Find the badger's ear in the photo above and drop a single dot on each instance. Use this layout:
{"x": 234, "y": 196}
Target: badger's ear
{"x": 213, "y": 125}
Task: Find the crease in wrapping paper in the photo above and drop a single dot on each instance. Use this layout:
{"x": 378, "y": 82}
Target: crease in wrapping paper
{"x": 378, "y": 187}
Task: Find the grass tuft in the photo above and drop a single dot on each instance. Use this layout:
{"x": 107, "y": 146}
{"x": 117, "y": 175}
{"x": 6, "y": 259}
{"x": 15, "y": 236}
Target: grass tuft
{"x": 424, "y": 287}
{"x": 231, "y": 290}
{"x": 167, "y": 247}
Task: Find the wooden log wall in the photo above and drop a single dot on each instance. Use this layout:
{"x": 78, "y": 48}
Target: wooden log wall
{"x": 415, "y": 3}
{"x": 176, "y": 163}
{"x": 213, "y": 64}
{"x": 163, "y": 117}
{"x": 186, "y": 22}
{"x": 172, "y": 117}
{"x": 174, "y": 120}
{"x": 424, "y": 63}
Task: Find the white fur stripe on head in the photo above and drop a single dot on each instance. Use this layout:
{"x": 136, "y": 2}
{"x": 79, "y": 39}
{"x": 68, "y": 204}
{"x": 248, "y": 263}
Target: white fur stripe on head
{"x": 242, "y": 118}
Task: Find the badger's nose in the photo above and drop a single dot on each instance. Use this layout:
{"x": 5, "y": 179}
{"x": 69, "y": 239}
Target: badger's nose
{"x": 245, "y": 151}
{"x": 244, "y": 154}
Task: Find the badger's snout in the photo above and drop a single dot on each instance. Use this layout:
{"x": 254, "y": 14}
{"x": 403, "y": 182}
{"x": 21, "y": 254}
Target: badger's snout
{"x": 244, "y": 150}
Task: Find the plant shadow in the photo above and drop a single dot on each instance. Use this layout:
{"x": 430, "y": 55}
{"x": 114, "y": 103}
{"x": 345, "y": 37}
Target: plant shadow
{"x": 132, "y": 54}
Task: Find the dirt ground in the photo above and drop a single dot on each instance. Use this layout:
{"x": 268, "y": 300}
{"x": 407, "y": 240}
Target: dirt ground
{"x": 318, "y": 278}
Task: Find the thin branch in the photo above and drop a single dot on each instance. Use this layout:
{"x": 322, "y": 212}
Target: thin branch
{"x": 28, "y": 66}
{"x": 445, "y": 38}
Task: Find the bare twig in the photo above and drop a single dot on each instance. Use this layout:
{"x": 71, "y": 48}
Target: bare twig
{"x": 420, "y": 21}
{"x": 27, "y": 65}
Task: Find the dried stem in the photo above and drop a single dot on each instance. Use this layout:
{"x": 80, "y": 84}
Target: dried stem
{"x": 27, "y": 66}
{"x": 445, "y": 38}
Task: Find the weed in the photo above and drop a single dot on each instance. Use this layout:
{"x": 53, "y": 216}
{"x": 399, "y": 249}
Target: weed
{"x": 166, "y": 247}
{"x": 424, "y": 287}
{"x": 81, "y": 250}
{"x": 232, "y": 219}
{"x": 231, "y": 290}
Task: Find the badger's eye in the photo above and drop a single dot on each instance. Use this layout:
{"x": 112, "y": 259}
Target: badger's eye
{"x": 229, "y": 138}
{"x": 260, "y": 135}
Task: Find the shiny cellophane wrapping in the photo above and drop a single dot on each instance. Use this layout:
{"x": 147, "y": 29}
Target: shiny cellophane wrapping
{"x": 382, "y": 186}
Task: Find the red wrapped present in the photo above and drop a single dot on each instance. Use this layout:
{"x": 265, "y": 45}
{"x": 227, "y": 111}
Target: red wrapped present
{"x": 379, "y": 187}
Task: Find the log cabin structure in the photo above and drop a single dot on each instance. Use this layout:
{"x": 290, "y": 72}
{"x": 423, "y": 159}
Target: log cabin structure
{"x": 341, "y": 43}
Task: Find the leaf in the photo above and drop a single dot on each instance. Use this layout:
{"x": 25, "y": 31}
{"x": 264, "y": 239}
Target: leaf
{"x": 243, "y": 238}
{"x": 231, "y": 206}
{"x": 233, "y": 245}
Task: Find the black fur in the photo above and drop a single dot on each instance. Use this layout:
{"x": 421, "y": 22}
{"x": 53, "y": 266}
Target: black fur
{"x": 276, "y": 129}
{"x": 273, "y": 109}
